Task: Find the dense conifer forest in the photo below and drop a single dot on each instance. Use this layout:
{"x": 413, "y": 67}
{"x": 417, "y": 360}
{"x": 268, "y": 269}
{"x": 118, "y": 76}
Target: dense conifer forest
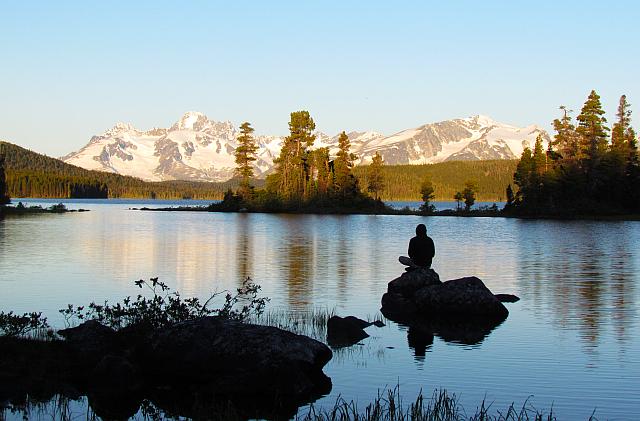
{"x": 585, "y": 170}
{"x": 403, "y": 182}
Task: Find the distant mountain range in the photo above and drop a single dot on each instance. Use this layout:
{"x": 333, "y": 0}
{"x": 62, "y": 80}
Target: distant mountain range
{"x": 198, "y": 149}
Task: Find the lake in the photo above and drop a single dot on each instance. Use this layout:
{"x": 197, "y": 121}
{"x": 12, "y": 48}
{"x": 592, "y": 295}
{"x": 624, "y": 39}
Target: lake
{"x": 571, "y": 342}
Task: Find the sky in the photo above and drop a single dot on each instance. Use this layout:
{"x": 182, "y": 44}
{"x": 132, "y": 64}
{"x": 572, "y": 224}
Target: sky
{"x": 70, "y": 70}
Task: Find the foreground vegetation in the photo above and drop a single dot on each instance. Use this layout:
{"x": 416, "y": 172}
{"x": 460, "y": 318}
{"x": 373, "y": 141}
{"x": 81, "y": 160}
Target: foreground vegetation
{"x": 164, "y": 307}
{"x": 387, "y": 406}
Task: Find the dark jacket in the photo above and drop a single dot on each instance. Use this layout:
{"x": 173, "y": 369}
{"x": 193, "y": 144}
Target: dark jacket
{"x": 422, "y": 250}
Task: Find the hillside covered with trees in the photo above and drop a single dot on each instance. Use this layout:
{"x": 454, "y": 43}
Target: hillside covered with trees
{"x": 402, "y": 182}
{"x": 29, "y": 174}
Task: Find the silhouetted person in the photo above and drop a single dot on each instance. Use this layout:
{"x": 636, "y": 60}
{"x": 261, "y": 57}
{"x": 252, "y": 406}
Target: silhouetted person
{"x": 421, "y": 247}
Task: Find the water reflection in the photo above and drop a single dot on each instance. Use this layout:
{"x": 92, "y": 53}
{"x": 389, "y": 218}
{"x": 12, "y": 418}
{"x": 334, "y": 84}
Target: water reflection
{"x": 581, "y": 272}
{"x": 244, "y": 246}
{"x": 578, "y": 282}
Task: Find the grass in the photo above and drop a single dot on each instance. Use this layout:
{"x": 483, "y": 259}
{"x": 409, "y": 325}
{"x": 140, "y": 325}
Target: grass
{"x": 442, "y": 406}
{"x": 312, "y": 322}
{"x": 387, "y": 406}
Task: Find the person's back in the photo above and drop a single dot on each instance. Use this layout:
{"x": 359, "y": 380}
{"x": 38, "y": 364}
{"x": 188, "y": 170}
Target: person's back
{"x": 421, "y": 247}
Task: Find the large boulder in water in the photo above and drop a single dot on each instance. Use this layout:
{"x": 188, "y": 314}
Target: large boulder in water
{"x": 420, "y": 292}
{"x": 410, "y": 282}
{"x": 233, "y": 358}
{"x": 464, "y": 296}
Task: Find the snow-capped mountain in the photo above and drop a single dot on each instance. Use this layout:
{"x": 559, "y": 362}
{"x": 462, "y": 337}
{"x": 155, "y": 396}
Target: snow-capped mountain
{"x": 473, "y": 138}
{"x": 196, "y": 148}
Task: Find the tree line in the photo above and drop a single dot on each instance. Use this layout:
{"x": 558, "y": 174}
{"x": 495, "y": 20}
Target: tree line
{"x": 588, "y": 167}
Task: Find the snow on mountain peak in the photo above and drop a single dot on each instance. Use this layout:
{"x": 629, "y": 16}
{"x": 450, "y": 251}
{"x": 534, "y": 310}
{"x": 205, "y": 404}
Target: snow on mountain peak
{"x": 483, "y": 120}
{"x": 189, "y": 120}
{"x": 196, "y": 148}
{"x": 119, "y": 128}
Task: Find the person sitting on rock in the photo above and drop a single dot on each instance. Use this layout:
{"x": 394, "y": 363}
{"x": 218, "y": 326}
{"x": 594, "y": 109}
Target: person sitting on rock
{"x": 421, "y": 248}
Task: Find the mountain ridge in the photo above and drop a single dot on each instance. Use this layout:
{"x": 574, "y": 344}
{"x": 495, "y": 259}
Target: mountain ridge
{"x": 196, "y": 148}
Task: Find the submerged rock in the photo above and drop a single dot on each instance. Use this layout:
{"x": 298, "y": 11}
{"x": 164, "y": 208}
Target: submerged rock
{"x": 507, "y": 298}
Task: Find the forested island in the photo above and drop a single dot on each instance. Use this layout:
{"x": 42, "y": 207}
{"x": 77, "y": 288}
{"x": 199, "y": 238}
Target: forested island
{"x": 584, "y": 171}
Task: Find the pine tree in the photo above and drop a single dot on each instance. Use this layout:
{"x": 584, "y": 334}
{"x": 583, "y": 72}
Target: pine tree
{"x": 291, "y": 166}
{"x": 539, "y": 156}
{"x": 510, "y": 196}
{"x": 566, "y": 139}
{"x": 428, "y": 194}
{"x": 592, "y": 130}
{"x": 458, "y": 198}
{"x": 375, "y": 177}
{"x": 245, "y": 154}
{"x": 469, "y": 194}
{"x": 623, "y": 137}
{"x": 345, "y": 182}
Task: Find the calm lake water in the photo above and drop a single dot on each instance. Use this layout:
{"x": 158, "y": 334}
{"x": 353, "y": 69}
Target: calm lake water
{"x": 572, "y": 342}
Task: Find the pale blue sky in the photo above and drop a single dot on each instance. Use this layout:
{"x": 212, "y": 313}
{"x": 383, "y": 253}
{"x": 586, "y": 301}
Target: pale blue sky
{"x": 70, "y": 70}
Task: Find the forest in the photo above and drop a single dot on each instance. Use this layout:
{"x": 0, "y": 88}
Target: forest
{"x": 589, "y": 168}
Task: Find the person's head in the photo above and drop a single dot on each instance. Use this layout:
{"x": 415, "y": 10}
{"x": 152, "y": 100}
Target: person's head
{"x": 421, "y": 229}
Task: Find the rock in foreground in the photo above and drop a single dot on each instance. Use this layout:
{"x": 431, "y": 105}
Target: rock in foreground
{"x": 420, "y": 293}
{"x": 240, "y": 358}
{"x": 202, "y": 365}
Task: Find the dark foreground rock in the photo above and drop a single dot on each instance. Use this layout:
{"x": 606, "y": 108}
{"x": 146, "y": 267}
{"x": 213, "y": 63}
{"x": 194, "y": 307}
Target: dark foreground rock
{"x": 461, "y": 310}
{"x": 420, "y": 293}
{"x": 465, "y": 296}
{"x": 192, "y": 368}
{"x": 242, "y": 358}
{"x": 347, "y": 331}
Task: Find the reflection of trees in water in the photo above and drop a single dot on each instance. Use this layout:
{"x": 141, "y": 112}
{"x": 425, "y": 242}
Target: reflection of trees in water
{"x": 297, "y": 259}
{"x": 582, "y": 272}
{"x": 244, "y": 247}
{"x": 344, "y": 259}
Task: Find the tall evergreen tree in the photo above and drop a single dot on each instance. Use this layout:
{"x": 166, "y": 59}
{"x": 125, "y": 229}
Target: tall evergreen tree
{"x": 592, "y": 130}
{"x": 245, "y": 154}
{"x": 292, "y": 166}
{"x": 345, "y": 182}
{"x": 321, "y": 176}
{"x": 375, "y": 176}
{"x": 566, "y": 139}
{"x": 427, "y": 192}
{"x": 539, "y": 156}
{"x": 510, "y": 197}
{"x": 469, "y": 194}
{"x": 623, "y": 136}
